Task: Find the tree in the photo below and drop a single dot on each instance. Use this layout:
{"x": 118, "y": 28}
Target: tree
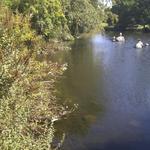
{"x": 83, "y": 15}
{"x": 47, "y": 16}
{"x": 143, "y": 12}
{"x": 132, "y": 12}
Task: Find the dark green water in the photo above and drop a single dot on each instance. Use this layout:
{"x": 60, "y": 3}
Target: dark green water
{"x": 111, "y": 84}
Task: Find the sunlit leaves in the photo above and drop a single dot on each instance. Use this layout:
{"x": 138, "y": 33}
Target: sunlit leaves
{"x": 83, "y": 16}
{"x": 47, "y": 17}
{"x": 27, "y": 103}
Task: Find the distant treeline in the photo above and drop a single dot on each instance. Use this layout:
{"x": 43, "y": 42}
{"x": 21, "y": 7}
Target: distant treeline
{"x": 132, "y": 14}
{"x": 61, "y": 18}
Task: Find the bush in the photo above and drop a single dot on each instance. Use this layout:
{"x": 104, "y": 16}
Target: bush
{"x": 27, "y": 102}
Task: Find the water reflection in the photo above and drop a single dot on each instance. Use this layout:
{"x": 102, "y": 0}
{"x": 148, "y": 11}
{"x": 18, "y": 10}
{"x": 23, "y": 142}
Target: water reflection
{"x": 111, "y": 83}
{"x": 79, "y": 86}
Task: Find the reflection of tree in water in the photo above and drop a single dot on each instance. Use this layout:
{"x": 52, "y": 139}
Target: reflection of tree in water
{"x": 126, "y": 85}
{"x": 79, "y": 86}
{"x": 79, "y": 121}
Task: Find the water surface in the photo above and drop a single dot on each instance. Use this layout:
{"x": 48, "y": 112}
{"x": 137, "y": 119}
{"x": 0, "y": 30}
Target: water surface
{"x": 111, "y": 83}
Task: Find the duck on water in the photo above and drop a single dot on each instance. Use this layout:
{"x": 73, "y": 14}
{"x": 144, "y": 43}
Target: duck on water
{"x": 140, "y": 44}
{"x": 120, "y": 38}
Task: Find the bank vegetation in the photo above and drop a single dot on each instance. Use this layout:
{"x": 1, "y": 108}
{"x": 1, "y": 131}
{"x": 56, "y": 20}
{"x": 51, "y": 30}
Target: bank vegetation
{"x": 28, "y": 105}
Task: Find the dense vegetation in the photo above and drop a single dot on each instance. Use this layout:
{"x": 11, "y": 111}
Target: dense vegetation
{"x": 61, "y": 18}
{"x": 83, "y": 16}
{"x": 132, "y": 13}
{"x": 28, "y": 104}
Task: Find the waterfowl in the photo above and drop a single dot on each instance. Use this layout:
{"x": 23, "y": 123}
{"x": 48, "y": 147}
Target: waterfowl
{"x": 139, "y": 44}
{"x": 146, "y": 44}
{"x": 120, "y": 38}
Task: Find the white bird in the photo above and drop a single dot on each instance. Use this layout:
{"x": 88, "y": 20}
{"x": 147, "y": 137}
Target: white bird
{"x": 120, "y": 38}
{"x": 146, "y": 44}
{"x": 139, "y": 44}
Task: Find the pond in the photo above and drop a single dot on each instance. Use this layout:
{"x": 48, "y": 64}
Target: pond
{"x": 110, "y": 82}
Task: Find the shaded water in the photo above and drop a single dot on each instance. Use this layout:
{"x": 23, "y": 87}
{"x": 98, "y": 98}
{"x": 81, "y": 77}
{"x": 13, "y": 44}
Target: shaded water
{"x": 111, "y": 83}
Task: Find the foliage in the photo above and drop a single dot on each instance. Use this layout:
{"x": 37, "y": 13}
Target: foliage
{"x": 112, "y": 19}
{"x": 47, "y": 17}
{"x": 143, "y": 12}
{"x": 27, "y": 102}
{"x": 132, "y": 12}
{"x": 83, "y": 16}
{"x": 61, "y": 18}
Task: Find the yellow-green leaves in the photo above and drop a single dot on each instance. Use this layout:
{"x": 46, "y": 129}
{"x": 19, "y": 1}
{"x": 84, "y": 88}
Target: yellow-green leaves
{"x": 27, "y": 103}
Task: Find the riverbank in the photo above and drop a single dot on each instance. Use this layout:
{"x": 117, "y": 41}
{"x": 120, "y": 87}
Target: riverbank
{"x": 28, "y": 104}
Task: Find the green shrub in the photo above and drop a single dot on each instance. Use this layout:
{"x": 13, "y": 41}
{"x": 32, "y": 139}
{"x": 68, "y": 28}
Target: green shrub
{"x": 27, "y": 102}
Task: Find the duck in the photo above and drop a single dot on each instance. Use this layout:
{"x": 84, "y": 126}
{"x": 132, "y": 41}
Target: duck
{"x": 120, "y": 38}
{"x": 139, "y": 44}
{"x": 146, "y": 44}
